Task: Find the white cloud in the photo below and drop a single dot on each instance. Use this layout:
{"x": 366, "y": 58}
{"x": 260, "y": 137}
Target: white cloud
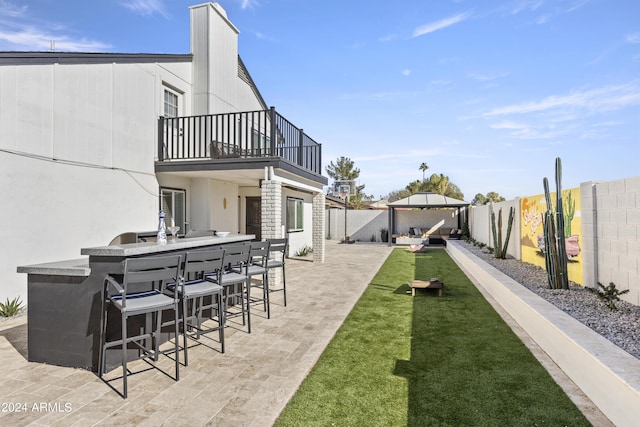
{"x": 543, "y": 19}
{"x": 607, "y": 98}
{"x": 388, "y": 38}
{"x": 248, "y": 4}
{"x": 525, "y": 5}
{"x": 441, "y": 83}
{"x": 11, "y": 10}
{"x": 29, "y": 38}
{"x": 406, "y": 72}
{"x": 633, "y": 38}
{"x": 23, "y": 32}
{"x": 487, "y": 76}
{"x": 439, "y": 25}
{"x": 147, "y": 7}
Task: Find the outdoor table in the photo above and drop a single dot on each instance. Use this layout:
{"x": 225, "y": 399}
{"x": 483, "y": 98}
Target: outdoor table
{"x": 64, "y": 298}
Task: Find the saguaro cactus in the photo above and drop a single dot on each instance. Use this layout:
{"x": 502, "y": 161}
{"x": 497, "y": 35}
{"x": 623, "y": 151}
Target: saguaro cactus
{"x": 500, "y": 250}
{"x": 554, "y": 232}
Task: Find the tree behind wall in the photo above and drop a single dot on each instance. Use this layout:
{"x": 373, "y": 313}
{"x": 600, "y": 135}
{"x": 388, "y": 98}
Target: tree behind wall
{"x": 344, "y": 170}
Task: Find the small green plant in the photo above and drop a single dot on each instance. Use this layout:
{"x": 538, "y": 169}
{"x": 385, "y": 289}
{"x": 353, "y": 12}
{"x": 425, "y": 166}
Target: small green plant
{"x": 609, "y": 294}
{"x": 372, "y": 238}
{"x": 304, "y": 251}
{"x": 10, "y": 308}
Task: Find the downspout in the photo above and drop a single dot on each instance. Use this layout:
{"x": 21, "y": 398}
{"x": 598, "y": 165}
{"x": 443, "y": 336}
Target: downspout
{"x": 596, "y": 257}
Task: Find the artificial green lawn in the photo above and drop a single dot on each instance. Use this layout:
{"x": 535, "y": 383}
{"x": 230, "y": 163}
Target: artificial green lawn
{"x": 426, "y": 361}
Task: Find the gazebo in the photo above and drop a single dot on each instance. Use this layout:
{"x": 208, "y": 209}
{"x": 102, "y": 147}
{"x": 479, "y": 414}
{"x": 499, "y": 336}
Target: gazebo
{"x": 427, "y": 200}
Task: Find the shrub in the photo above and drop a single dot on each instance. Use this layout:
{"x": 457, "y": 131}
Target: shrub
{"x": 10, "y": 308}
{"x": 609, "y": 294}
{"x": 304, "y": 251}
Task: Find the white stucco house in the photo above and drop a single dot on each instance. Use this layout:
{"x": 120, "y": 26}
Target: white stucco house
{"x": 94, "y": 144}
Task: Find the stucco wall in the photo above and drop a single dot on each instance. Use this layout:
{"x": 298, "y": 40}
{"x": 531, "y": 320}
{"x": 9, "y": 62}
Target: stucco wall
{"x": 480, "y": 225}
{"x": 361, "y": 224}
{"x": 79, "y": 144}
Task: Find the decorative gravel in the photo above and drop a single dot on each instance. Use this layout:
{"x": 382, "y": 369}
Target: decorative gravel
{"x": 621, "y": 327}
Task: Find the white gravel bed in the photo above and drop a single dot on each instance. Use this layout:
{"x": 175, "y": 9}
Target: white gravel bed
{"x": 621, "y": 327}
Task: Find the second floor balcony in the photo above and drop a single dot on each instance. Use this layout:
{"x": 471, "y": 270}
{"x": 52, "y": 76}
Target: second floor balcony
{"x": 238, "y": 137}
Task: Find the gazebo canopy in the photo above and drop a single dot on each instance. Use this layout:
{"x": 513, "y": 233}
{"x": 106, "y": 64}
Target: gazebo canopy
{"x": 428, "y": 200}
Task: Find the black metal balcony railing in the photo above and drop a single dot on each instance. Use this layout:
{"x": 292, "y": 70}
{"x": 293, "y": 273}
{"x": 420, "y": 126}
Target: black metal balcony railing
{"x": 249, "y": 134}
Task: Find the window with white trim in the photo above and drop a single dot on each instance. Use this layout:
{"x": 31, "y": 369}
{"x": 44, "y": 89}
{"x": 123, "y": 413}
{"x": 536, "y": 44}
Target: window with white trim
{"x": 295, "y": 214}
{"x": 170, "y": 103}
{"x": 173, "y": 203}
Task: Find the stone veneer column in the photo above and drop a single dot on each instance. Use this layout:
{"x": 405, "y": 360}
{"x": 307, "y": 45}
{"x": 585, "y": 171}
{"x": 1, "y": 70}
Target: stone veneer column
{"x": 272, "y": 220}
{"x": 318, "y": 237}
{"x": 271, "y": 210}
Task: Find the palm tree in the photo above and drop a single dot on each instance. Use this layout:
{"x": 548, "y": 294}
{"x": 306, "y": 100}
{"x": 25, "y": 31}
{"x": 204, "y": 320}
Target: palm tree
{"x": 423, "y": 167}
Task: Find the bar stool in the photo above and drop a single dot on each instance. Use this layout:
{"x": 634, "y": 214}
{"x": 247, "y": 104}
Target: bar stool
{"x": 140, "y": 292}
{"x": 198, "y": 266}
{"x": 234, "y": 282}
{"x": 277, "y": 255}
{"x": 257, "y": 265}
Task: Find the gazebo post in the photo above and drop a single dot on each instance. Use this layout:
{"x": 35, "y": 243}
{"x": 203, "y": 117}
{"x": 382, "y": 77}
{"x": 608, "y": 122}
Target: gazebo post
{"x": 389, "y": 238}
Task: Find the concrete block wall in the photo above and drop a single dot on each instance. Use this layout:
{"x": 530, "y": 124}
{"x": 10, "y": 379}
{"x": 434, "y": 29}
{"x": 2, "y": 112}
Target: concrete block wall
{"x": 614, "y": 234}
{"x": 610, "y": 240}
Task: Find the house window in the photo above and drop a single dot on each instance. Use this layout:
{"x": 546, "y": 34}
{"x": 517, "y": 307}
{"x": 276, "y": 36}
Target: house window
{"x": 170, "y": 103}
{"x": 173, "y": 203}
{"x": 295, "y": 214}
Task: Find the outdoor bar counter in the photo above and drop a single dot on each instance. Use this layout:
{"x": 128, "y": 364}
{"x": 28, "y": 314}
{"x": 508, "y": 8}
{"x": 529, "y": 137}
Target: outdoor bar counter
{"x": 64, "y": 298}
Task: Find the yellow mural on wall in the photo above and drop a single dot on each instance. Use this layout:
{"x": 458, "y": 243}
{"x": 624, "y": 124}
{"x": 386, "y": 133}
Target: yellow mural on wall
{"x": 532, "y": 243}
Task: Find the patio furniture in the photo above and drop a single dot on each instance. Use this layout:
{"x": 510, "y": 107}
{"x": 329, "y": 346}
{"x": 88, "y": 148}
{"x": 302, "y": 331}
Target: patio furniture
{"x": 258, "y": 266}
{"x": 277, "y": 254}
{"x": 234, "y": 281}
{"x": 140, "y": 292}
{"x": 201, "y": 294}
{"x": 434, "y": 283}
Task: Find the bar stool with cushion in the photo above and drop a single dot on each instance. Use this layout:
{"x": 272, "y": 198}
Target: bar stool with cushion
{"x": 201, "y": 294}
{"x": 140, "y": 292}
{"x": 234, "y": 281}
{"x": 258, "y": 266}
{"x": 277, "y": 255}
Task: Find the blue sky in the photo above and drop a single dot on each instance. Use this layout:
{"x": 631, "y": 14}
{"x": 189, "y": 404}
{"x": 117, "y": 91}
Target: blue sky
{"x": 488, "y": 93}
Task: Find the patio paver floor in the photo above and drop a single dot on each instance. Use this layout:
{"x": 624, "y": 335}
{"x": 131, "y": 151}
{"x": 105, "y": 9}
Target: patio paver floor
{"x": 248, "y": 385}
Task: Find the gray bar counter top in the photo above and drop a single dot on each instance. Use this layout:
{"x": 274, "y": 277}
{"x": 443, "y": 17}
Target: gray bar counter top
{"x": 82, "y": 267}
{"x": 148, "y": 248}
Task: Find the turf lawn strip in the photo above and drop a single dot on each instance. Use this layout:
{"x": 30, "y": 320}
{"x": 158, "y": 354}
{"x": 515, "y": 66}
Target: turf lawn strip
{"x": 423, "y": 360}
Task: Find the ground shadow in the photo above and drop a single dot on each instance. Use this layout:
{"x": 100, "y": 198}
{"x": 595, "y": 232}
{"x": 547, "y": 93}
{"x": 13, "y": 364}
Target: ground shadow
{"x": 17, "y": 337}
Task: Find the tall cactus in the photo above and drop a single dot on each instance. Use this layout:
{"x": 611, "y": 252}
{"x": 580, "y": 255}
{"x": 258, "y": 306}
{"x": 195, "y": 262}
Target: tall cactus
{"x": 554, "y": 232}
{"x": 500, "y": 250}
